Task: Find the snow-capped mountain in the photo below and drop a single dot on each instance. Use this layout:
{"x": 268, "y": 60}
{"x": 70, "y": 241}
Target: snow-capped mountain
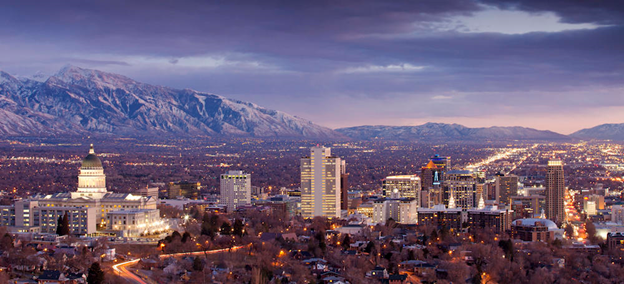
{"x": 448, "y": 132}
{"x": 77, "y": 100}
{"x": 609, "y": 131}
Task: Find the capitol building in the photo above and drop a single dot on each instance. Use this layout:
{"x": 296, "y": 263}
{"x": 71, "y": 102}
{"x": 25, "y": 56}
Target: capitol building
{"x": 91, "y": 208}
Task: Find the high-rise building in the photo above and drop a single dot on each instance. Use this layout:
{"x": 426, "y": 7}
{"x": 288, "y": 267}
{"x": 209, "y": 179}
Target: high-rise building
{"x": 462, "y": 185}
{"x": 443, "y": 163}
{"x": 555, "y": 190}
{"x": 235, "y": 190}
{"x": 404, "y": 186}
{"x": 427, "y": 175}
{"x": 320, "y": 184}
{"x": 506, "y": 187}
{"x": 344, "y": 187}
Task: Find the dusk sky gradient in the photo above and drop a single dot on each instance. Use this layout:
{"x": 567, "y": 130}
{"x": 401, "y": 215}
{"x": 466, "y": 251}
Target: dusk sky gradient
{"x": 555, "y": 64}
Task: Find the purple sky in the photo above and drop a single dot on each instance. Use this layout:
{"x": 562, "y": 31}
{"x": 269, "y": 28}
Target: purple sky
{"x": 556, "y": 64}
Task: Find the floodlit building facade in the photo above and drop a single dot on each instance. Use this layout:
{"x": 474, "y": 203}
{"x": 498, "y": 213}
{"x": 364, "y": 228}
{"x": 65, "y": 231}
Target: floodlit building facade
{"x": 135, "y": 222}
{"x": 403, "y": 186}
{"x": 320, "y": 184}
{"x": 235, "y": 190}
{"x": 87, "y": 207}
{"x": 402, "y": 210}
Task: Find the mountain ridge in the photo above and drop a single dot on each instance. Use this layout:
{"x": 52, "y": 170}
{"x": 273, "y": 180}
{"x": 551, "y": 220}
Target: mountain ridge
{"x": 450, "y": 132}
{"x": 80, "y": 101}
{"x": 607, "y": 131}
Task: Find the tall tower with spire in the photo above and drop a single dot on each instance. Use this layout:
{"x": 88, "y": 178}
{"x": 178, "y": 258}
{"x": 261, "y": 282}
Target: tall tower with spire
{"x": 91, "y": 180}
{"x": 481, "y": 202}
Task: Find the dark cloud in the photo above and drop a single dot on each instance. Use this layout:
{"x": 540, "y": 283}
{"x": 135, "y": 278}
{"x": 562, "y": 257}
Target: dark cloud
{"x": 91, "y": 62}
{"x": 607, "y": 12}
{"x": 286, "y": 54}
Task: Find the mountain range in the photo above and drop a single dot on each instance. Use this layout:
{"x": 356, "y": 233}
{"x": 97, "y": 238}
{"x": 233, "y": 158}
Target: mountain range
{"x": 449, "y": 132}
{"x": 77, "y": 101}
{"x": 609, "y": 131}
{"x": 80, "y": 101}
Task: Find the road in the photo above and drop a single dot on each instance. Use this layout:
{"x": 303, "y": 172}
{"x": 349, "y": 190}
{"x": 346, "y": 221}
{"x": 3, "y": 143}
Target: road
{"x": 122, "y": 271}
{"x": 122, "y": 268}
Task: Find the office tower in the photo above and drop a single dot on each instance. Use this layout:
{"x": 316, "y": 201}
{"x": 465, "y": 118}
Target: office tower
{"x": 320, "y": 184}
{"x": 235, "y": 190}
{"x": 462, "y": 185}
{"x": 506, "y": 187}
{"x": 431, "y": 181}
{"x": 403, "y": 186}
{"x": 344, "y": 187}
{"x": 443, "y": 163}
{"x": 427, "y": 174}
{"x": 555, "y": 190}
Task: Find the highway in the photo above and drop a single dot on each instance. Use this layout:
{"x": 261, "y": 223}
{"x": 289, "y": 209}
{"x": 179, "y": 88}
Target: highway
{"x": 122, "y": 268}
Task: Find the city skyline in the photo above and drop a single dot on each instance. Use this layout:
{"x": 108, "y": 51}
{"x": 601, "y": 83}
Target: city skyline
{"x": 548, "y": 65}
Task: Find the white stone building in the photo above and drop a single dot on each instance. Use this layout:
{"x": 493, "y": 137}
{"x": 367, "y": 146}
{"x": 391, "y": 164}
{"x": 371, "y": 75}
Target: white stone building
{"x": 235, "y": 190}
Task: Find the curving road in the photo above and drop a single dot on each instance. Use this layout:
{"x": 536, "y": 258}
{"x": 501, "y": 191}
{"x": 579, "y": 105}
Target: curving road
{"x": 121, "y": 268}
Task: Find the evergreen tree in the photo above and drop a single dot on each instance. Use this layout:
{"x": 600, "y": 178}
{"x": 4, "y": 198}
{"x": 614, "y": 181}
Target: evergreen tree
{"x": 346, "y": 242}
{"x": 238, "y": 228}
{"x": 95, "y": 275}
{"x": 226, "y": 229}
{"x": 185, "y": 237}
{"x": 6, "y": 242}
{"x": 59, "y": 226}
{"x": 197, "y": 264}
{"x": 507, "y": 246}
{"x": 434, "y": 235}
{"x": 65, "y": 230}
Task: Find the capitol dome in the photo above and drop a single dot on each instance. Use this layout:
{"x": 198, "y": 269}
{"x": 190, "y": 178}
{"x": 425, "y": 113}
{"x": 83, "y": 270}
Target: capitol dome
{"x": 91, "y": 160}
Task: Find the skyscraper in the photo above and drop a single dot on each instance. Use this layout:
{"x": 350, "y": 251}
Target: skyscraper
{"x": 506, "y": 187}
{"x": 344, "y": 187}
{"x": 555, "y": 190}
{"x": 404, "y": 186}
{"x": 320, "y": 184}
{"x": 462, "y": 186}
{"x": 443, "y": 163}
{"x": 235, "y": 190}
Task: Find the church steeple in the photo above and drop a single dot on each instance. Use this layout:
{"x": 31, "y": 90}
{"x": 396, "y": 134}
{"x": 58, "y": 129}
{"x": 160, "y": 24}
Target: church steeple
{"x": 481, "y": 202}
{"x": 91, "y": 151}
{"x": 451, "y": 204}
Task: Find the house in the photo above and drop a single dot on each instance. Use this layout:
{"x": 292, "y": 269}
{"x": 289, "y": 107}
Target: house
{"x": 316, "y": 265}
{"x": 332, "y": 279}
{"x": 395, "y": 279}
{"x": 290, "y": 237}
{"x": 148, "y": 264}
{"x": 300, "y": 255}
{"x": 52, "y": 276}
{"x": 378, "y": 272}
{"x": 417, "y": 267}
